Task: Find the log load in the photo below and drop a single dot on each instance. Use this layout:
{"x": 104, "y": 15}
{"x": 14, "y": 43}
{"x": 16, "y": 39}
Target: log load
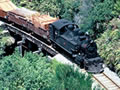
{"x": 32, "y": 20}
{"x": 5, "y": 6}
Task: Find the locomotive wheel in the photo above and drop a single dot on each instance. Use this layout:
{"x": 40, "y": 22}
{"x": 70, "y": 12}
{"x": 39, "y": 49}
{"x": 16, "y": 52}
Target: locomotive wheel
{"x": 79, "y": 61}
{"x": 81, "y": 65}
{"x": 54, "y": 45}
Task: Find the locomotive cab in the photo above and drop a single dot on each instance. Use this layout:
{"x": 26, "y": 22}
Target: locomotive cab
{"x": 62, "y": 34}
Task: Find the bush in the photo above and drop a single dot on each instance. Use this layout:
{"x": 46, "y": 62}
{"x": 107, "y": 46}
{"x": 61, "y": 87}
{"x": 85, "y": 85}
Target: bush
{"x": 31, "y": 72}
{"x": 5, "y": 41}
{"x": 99, "y": 15}
{"x": 116, "y": 10}
{"x": 109, "y": 47}
{"x": 66, "y": 78}
{"x": 35, "y": 72}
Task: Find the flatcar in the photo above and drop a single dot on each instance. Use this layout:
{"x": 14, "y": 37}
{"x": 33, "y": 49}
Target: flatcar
{"x": 32, "y": 21}
{"x": 59, "y": 33}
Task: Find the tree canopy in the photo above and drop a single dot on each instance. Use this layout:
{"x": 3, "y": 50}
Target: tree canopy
{"x": 34, "y": 72}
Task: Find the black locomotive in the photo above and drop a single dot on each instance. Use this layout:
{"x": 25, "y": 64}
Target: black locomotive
{"x": 79, "y": 45}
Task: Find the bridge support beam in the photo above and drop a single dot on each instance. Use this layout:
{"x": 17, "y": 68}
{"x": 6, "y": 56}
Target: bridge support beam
{"x": 38, "y": 51}
{"x": 20, "y": 45}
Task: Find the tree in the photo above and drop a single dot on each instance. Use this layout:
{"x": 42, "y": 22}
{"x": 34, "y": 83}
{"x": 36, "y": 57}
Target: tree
{"x": 100, "y": 13}
{"x": 34, "y": 72}
{"x": 66, "y": 77}
{"x": 116, "y": 10}
{"x": 31, "y": 72}
{"x": 109, "y": 45}
{"x": 69, "y": 8}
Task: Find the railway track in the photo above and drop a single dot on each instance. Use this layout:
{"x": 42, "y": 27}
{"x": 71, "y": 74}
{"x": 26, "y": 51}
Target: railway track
{"x": 106, "y": 82}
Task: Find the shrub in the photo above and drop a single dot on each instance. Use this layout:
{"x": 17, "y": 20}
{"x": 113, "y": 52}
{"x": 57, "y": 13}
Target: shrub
{"x": 109, "y": 47}
{"x": 30, "y": 72}
{"x": 6, "y": 41}
{"x": 116, "y": 10}
{"x": 66, "y": 78}
{"x": 34, "y": 72}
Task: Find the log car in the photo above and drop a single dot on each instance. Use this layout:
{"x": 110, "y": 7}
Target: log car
{"x": 32, "y": 20}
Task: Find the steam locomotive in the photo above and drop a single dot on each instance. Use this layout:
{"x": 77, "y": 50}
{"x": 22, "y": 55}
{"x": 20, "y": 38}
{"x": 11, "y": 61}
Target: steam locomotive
{"x": 79, "y": 45}
{"x": 59, "y": 33}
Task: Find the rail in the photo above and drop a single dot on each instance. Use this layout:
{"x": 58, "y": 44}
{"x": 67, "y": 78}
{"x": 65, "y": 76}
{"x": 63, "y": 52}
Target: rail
{"x": 106, "y": 82}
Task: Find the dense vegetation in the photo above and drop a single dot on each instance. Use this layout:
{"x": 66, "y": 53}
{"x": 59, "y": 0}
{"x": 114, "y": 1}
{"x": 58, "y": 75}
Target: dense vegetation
{"x": 68, "y": 78}
{"x": 5, "y": 40}
{"x": 109, "y": 45}
{"x": 35, "y": 72}
{"x": 109, "y": 42}
{"x": 99, "y": 15}
{"x": 29, "y": 72}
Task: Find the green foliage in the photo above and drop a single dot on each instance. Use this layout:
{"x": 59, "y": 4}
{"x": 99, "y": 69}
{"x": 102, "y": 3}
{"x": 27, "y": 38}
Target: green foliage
{"x": 63, "y": 8}
{"x": 100, "y": 13}
{"x": 5, "y": 40}
{"x": 54, "y": 64}
{"x": 114, "y": 23}
{"x": 20, "y": 73}
{"x": 116, "y": 10}
{"x": 1, "y": 45}
{"x": 43, "y": 6}
{"x": 35, "y": 72}
{"x": 69, "y": 8}
{"x": 68, "y": 78}
{"x": 109, "y": 47}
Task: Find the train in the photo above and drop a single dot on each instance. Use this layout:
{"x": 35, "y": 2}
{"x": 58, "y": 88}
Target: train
{"x": 58, "y": 32}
